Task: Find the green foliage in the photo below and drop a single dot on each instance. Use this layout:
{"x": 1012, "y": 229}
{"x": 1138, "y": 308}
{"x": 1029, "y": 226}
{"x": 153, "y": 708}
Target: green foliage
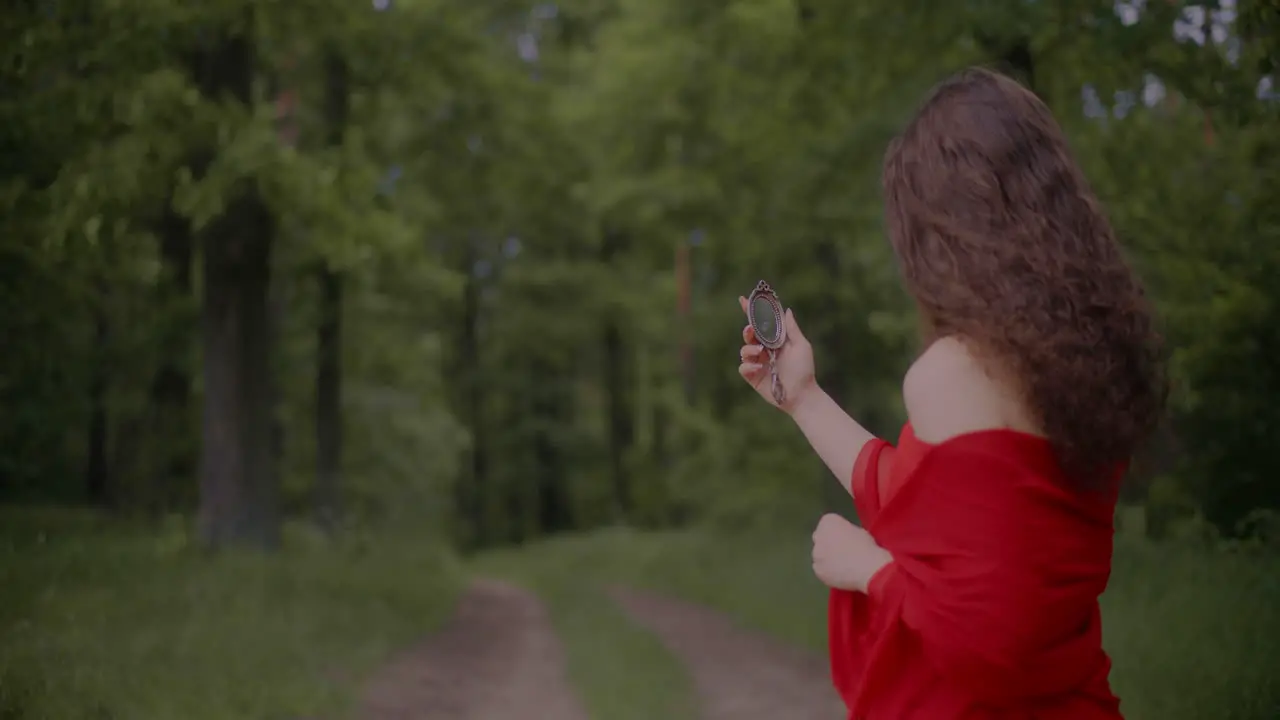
{"x": 507, "y": 233}
{"x": 1218, "y": 657}
{"x": 106, "y": 621}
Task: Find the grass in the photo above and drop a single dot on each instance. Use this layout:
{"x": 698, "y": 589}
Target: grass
{"x": 104, "y": 622}
{"x": 1193, "y": 633}
{"x": 620, "y": 671}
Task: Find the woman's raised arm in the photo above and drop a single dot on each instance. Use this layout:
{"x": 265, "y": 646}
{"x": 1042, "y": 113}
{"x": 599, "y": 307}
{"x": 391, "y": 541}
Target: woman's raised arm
{"x": 836, "y": 437}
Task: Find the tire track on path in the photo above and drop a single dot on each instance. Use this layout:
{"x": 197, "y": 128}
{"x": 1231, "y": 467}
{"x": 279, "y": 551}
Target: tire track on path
{"x": 497, "y": 658}
{"x": 739, "y": 674}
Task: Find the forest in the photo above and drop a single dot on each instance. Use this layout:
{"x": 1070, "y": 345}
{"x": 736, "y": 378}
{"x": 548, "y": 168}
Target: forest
{"x": 313, "y": 310}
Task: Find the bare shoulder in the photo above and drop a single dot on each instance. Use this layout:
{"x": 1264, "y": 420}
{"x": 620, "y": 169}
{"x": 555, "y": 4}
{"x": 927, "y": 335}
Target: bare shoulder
{"x": 948, "y": 393}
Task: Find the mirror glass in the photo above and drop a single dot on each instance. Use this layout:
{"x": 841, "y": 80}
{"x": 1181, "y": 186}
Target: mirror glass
{"x": 764, "y": 320}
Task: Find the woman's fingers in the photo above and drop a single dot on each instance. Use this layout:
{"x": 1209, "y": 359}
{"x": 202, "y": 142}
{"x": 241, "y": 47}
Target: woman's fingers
{"x": 793, "y": 330}
{"x": 751, "y": 368}
{"x": 748, "y": 335}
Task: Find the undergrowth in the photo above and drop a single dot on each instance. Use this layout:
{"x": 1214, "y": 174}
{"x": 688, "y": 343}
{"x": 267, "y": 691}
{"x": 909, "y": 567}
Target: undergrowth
{"x": 103, "y": 621}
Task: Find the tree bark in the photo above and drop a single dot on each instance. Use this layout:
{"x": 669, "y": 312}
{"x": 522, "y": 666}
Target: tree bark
{"x": 237, "y": 500}
{"x": 329, "y": 401}
{"x": 472, "y": 493}
{"x": 97, "y": 468}
{"x": 237, "y": 478}
{"x": 552, "y": 409}
{"x": 621, "y": 432}
{"x": 1012, "y": 55}
{"x": 329, "y": 332}
{"x": 171, "y": 430}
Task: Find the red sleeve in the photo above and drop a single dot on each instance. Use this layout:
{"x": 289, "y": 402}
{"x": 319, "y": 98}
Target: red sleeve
{"x": 992, "y": 568}
{"x": 846, "y": 610}
{"x": 873, "y": 460}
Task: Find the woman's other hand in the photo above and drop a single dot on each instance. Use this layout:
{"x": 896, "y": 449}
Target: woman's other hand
{"x": 794, "y": 364}
{"x": 845, "y": 556}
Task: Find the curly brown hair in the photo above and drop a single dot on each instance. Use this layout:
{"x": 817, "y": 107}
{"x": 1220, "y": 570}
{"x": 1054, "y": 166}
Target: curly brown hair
{"x": 1003, "y": 244}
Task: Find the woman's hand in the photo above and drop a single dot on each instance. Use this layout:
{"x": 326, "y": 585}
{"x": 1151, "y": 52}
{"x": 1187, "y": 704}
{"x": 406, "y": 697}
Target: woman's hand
{"x": 794, "y": 363}
{"x": 845, "y": 556}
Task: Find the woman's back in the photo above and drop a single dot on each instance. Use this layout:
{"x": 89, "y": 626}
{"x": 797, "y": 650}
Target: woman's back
{"x": 990, "y": 607}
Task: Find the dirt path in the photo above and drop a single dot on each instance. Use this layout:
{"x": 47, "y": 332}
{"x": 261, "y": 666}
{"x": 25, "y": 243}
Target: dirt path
{"x": 497, "y": 658}
{"x": 739, "y": 674}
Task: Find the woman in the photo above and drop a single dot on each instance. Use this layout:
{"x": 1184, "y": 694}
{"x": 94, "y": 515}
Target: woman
{"x": 971, "y": 591}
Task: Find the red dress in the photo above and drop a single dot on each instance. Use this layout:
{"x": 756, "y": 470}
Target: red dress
{"x": 990, "y": 607}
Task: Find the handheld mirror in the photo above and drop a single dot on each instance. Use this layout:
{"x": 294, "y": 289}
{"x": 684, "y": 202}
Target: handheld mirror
{"x": 764, "y": 314}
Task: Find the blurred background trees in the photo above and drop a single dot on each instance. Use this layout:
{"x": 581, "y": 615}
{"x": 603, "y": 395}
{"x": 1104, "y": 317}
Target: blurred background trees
{"x": 475, "y": 265}
{"x": 375, "y": 283}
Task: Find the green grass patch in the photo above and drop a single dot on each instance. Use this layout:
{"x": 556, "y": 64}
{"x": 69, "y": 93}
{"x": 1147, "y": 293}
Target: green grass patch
{"x": 620, "y": 671}
{"x": 105, "y": 622}
{"x": 1194, "y": 633}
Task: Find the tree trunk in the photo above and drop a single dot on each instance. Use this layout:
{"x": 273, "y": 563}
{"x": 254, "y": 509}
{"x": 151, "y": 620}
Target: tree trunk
{"x": 551, "y": 408}
{"x": 621, "y": 432}
{"x": 472, "y": 493}
{"x": 684, "y": 288}
{"x": 554, "y": 512}
{"x": 329, "y": 332}
{"x": 329, "y": 401}
{"x": 171, "y": 430}
{"x": 1017, "y": 58}
{"x": 97, "y": 473}
{"x": 236, "y": 499}
{"x": 1012, "y": 56}
{"x": 237, "y": 478}
{"x": 620, "y": 429}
